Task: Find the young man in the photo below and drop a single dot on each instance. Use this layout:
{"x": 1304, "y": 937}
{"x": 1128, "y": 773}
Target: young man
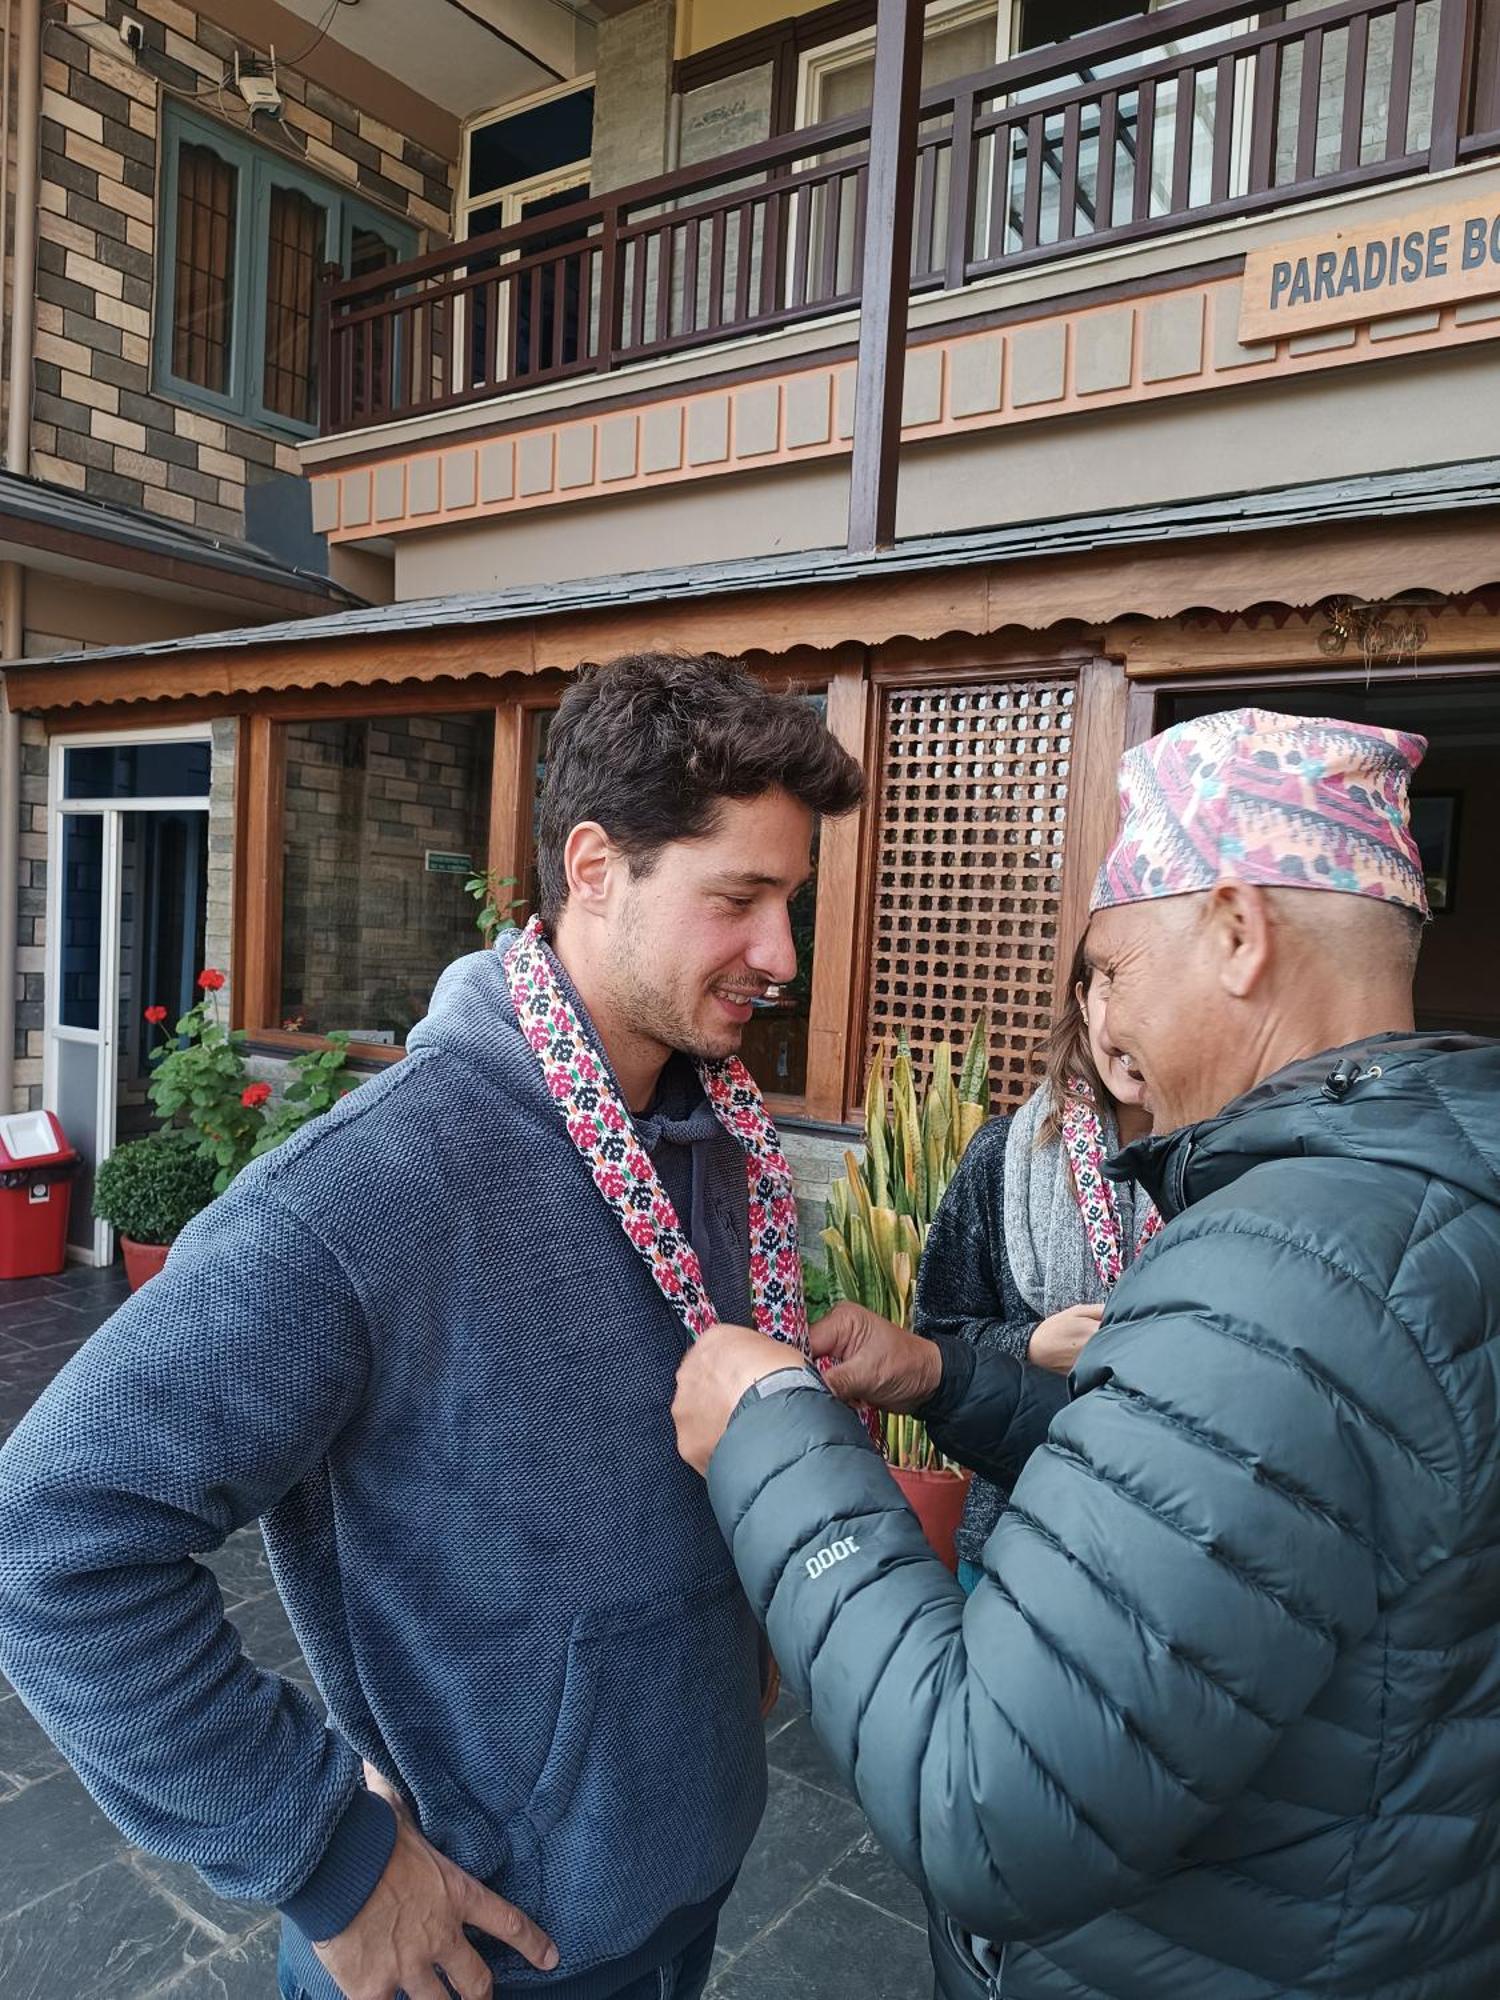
{"x": 431, "y": 1343}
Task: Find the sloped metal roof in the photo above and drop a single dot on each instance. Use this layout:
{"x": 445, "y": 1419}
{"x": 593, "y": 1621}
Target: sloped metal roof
{"x": 42, "y": 515}
{"x": 1323, "y": 503}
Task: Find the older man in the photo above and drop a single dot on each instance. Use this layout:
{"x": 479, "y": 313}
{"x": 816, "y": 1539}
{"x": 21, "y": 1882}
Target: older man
{"x": 1223, "y": 1717}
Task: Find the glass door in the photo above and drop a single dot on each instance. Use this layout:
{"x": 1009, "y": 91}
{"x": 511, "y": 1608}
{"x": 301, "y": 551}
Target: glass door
{"x": 77, "y": 1035}
{"x": 125, "y": 929}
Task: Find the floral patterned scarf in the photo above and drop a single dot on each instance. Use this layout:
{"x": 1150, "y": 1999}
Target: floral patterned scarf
{"x": 600, "y": 1127}
{"x": 1083, "y": 1143}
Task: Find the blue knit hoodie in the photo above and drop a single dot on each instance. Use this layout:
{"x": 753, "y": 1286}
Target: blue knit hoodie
{"x": 415, "y": 1342}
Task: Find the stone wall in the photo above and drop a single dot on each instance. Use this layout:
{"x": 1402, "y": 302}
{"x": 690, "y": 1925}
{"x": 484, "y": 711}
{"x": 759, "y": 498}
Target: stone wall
{"x": 102, "y": 427}
{"x": 816, "y": 1161}
{"x": 633, "y": 94}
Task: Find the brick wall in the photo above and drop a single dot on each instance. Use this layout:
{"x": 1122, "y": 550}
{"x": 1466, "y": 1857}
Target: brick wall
{"x": 101, "y": 428}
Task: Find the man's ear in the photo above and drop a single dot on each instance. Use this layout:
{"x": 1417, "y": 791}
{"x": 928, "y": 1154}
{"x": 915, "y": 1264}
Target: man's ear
{"x": 591, "y": 862}
{"x": 1243, "y": 932}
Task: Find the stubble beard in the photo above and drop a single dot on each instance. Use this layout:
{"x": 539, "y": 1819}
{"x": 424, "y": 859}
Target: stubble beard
{"x": 646, "y": 1008}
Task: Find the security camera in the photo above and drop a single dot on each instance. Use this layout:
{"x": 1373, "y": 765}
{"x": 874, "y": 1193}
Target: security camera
{"x": 133, "y": 35}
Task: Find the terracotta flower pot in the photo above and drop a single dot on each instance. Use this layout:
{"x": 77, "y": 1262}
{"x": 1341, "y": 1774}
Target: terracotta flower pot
{"x": 142, "y": 1261}
{"x": 937, "y": 1499}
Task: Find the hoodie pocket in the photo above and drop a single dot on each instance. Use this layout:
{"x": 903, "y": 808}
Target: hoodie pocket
{"x": 654, "y": 1781}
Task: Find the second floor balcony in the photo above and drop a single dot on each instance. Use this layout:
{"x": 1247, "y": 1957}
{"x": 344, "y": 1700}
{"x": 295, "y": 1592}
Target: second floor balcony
{"x": 1168, "y": 122}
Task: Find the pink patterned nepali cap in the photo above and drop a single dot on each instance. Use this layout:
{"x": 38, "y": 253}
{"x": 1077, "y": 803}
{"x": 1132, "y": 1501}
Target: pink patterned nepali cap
{"x": 1286, "y": 801}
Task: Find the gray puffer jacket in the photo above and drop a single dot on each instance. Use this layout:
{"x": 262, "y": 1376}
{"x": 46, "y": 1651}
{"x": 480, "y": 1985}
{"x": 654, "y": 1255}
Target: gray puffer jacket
{"x": 1222, "y": 1721}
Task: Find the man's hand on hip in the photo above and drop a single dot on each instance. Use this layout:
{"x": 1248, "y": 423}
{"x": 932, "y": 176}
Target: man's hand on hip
{"x": 413, "y": 1924}
{"x": 872, "y": 1361}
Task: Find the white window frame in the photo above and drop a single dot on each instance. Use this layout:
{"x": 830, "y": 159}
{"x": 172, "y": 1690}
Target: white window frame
{"x": 547, "y": 183}
{"x": 105, "y": 1038}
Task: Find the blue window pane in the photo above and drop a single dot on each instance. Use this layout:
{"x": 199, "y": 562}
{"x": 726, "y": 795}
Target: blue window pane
{"x": 137, "y": 771}
{"x": 532, "y": 142}
{"x": 82, "y": 909}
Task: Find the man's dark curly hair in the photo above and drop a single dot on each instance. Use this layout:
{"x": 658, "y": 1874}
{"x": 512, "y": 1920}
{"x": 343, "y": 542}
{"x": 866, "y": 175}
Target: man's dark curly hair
{"x": 648, "y": 745}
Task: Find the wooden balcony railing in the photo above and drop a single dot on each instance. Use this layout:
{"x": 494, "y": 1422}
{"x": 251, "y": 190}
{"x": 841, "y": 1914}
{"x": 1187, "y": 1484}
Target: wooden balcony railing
{"x": 1199, "y": 111}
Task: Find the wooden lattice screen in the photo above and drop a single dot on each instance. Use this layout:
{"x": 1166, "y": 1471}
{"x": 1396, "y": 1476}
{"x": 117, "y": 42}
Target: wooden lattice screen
{"x": 972, "y": 815}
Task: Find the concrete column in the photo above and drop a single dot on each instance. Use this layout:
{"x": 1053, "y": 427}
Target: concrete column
{"x": 632, "y": 94}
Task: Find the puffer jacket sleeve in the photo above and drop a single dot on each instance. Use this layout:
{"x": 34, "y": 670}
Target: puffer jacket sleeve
{"x": 991, "y": 1411}
{"x": 1258, "y": 1456}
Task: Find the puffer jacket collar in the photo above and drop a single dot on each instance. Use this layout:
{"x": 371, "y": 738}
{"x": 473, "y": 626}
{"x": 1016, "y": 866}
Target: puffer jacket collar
{"x": 1419, "y": 1101}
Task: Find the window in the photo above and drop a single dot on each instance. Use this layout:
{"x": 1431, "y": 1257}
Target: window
{"x": 203, "y": 268}
{"x": 1044, "y": 21}
{"x": 519, "y": 164}
{"x": 839, "y": 78}
{"x": 247, "y": 234}
{"x": 361, "y": 829}
{"x": 385, "y": 820}
{"x": 513, "y": 157}
{"x": 137, "y": 771}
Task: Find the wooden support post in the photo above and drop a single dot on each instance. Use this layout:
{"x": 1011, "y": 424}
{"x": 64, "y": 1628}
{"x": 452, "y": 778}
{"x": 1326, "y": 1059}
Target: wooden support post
{"x": 885, "y": 282}
{"x": 255, "y": 963}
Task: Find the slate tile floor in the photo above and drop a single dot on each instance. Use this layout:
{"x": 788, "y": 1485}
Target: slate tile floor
{"x": 818, "y": 1913}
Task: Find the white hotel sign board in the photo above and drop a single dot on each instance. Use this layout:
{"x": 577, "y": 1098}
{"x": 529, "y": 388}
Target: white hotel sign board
{"x": 1351, "y": 275}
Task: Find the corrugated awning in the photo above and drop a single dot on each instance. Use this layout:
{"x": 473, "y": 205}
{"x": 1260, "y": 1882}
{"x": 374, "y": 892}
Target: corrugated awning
{"x": 1433, "y": 529}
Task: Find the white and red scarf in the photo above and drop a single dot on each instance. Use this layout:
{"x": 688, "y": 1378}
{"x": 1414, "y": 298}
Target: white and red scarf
{"x": 600, "y": 1126}
{"x": 1083, "y": 1143}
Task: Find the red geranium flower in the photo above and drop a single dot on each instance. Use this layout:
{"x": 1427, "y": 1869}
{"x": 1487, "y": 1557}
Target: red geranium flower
{"x": 255, "y": 1095}
{"x": 210, "y": 979}
{"x": 156, "y": 1015}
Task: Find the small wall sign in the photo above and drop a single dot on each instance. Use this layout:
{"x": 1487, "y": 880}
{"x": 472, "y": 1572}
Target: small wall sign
{"x": 1349, "y": 275}
{"x": 439, "y": 863}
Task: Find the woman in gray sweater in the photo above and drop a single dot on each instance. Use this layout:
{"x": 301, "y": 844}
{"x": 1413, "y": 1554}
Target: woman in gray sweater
{"x": 1030, "y": 1237}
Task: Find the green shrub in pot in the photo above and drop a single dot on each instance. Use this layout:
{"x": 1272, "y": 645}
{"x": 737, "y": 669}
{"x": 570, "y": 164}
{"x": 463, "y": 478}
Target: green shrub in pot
{"x": 150, "y": 1189}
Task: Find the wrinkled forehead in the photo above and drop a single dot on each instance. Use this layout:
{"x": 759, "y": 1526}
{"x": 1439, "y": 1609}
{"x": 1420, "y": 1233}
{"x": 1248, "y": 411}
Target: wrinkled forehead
{"x": 1128, "y": 932}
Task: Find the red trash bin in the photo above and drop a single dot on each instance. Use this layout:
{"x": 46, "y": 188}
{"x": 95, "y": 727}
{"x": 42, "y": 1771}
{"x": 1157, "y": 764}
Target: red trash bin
{"x": 37, "y": 1166}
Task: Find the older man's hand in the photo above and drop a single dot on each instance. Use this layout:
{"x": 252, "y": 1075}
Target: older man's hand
{"x": 872, "y": 1361}
{"x": 716, "y": 1371}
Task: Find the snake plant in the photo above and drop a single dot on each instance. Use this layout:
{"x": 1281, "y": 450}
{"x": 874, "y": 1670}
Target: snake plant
{"x": 881, "y": 1208}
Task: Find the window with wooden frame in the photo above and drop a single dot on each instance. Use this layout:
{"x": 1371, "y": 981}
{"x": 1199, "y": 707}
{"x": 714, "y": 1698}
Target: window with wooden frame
{"x": 970, "y": 825}
{"x": 360, "y": 822}
{"x": 246, "y": 235}
{"x": 360, "y": 828}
